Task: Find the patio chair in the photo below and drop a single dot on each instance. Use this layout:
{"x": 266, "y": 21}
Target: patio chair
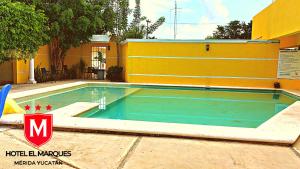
{"x": 45, "y": 74}
{"x": 3, "y": 95}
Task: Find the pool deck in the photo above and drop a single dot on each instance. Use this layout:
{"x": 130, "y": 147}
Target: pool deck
{"x": 114, "y": 151}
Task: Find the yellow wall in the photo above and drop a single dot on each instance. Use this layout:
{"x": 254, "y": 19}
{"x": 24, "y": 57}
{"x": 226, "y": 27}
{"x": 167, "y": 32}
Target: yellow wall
{"x": 42, "y": 58}
{"x": 6, "y": 72}
{"x": 73, "y": 55}
{"x": 85, "y": 52}
{"x": 277, "y": 21}
{"x": 290, "y": 41}
{"x": 111, "y": 55}
{"x": 123, "y": 60}
{"x": 21, "y": 67}
{"x": 290, "y": 84}
{"x": 226, "y": 64}
{"x": 280, "y": 21}
{"x": 21, "y": 71}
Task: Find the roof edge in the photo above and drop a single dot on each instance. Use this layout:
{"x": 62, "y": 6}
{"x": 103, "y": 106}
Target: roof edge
{"x": 197, "y": 41}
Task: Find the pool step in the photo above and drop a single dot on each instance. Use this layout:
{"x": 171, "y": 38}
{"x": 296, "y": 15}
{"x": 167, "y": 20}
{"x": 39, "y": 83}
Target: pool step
{"x": 128, "y": 92}
{"x": 73, "y": 109}
{"x": 80, "y": 107}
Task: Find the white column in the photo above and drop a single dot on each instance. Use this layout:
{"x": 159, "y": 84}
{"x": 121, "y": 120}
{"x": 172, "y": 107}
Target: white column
{"x": 31, "y": 72}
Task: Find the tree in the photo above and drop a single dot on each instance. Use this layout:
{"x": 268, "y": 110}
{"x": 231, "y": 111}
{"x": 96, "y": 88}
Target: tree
{"x": 136, "y": 29}
{"x": 140, "y": 26}
{"x": 71, "y": 22}
{"x": 233, "y": 30}
{"x": 23, "y": 30}
{"x": 119, "y": 12}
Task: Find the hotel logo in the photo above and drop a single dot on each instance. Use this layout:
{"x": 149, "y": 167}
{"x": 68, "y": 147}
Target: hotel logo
{"x": 38, "y": 128}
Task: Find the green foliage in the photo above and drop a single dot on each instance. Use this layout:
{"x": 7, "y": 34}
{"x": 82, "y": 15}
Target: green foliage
{"x": 116, "y": 13}
{"x": 100, "y": 57}
{"x": 234, "y": 30}
{"x": 140, "y": 26}
{"x": 72, "y": 22}
{"x": 137, "y": 16}
{"x": 119, "y": 19}
{"x": 114, "y": 73}
{"x": 23, "y": 30}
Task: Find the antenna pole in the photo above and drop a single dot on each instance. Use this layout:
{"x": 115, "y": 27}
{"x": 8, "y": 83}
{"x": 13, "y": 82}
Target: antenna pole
{"x": 175, "y": 20}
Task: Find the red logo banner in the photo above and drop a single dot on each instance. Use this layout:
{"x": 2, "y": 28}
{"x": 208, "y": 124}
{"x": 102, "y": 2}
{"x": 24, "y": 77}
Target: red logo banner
{"x": 38, "y": 128}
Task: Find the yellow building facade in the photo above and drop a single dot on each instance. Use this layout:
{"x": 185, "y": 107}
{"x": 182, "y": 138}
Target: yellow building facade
{"x": 280, "y": 21}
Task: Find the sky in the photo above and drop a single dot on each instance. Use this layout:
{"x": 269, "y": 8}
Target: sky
{"x": 198, "y": 18}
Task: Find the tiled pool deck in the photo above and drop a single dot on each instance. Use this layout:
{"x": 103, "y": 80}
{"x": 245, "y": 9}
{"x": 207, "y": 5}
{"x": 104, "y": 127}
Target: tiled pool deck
{"x": 96, "y": 150}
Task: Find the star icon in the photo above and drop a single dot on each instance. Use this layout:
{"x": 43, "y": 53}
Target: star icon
{"x": 38, "y": 108}
{"x": 49, "y": 107}
{"x": 27, "y": 107}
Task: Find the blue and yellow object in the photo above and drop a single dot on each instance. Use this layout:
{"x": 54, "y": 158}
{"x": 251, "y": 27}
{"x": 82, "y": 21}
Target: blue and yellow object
{"x": 7, "y": 105}
{"x": 3, "y": 95}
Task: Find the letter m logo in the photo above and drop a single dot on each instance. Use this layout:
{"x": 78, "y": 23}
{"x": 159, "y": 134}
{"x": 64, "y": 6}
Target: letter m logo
{"x": 38, "y": 128}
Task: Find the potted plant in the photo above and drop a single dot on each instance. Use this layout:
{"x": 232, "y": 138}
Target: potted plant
{"x": 100, "y": 71}
{"x": 277, "y": 85}
{"x": 114, "y": 74}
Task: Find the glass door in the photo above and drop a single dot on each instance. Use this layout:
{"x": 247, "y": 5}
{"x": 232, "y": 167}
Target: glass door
{"x": 98, "y": 62}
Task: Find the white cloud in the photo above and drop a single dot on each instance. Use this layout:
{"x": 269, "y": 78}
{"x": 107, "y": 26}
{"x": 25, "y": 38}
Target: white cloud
{"x": 152, "y": 8}
{"x": 201, "y": 30}
{"x": 216, "y": 12}
{"x": 216, "y": 8}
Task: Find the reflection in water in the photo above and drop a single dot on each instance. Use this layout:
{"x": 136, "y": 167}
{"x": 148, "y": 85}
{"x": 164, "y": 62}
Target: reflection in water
{"x": 102, "y": 103}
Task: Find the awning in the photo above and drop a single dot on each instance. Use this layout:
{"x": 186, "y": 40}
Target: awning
{"x": 100, "y": 39}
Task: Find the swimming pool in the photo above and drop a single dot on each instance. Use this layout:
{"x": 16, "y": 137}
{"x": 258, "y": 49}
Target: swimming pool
{"x": 185, "y": 105}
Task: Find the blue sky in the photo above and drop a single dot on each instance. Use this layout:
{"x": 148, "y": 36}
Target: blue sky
{"x": 199, "y": 18}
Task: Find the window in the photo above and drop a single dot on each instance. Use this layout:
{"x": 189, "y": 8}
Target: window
{"x": 95, "y": 53}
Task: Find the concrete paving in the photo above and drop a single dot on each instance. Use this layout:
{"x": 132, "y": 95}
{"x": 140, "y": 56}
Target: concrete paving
{"x": 10, "y": 143}
{"x": 111, "y": 151}
{"x": 182, "y": 153}
{"x": 88, "y": 150}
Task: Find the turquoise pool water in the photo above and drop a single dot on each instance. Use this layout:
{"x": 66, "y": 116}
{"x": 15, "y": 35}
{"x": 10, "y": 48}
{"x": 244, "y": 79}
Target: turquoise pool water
{"x": 217, "y": 107}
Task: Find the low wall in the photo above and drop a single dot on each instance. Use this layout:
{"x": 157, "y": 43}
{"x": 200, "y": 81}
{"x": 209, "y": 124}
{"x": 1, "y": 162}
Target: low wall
{"x": 290, "y": 84}
{"x": 225, "y": 63}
